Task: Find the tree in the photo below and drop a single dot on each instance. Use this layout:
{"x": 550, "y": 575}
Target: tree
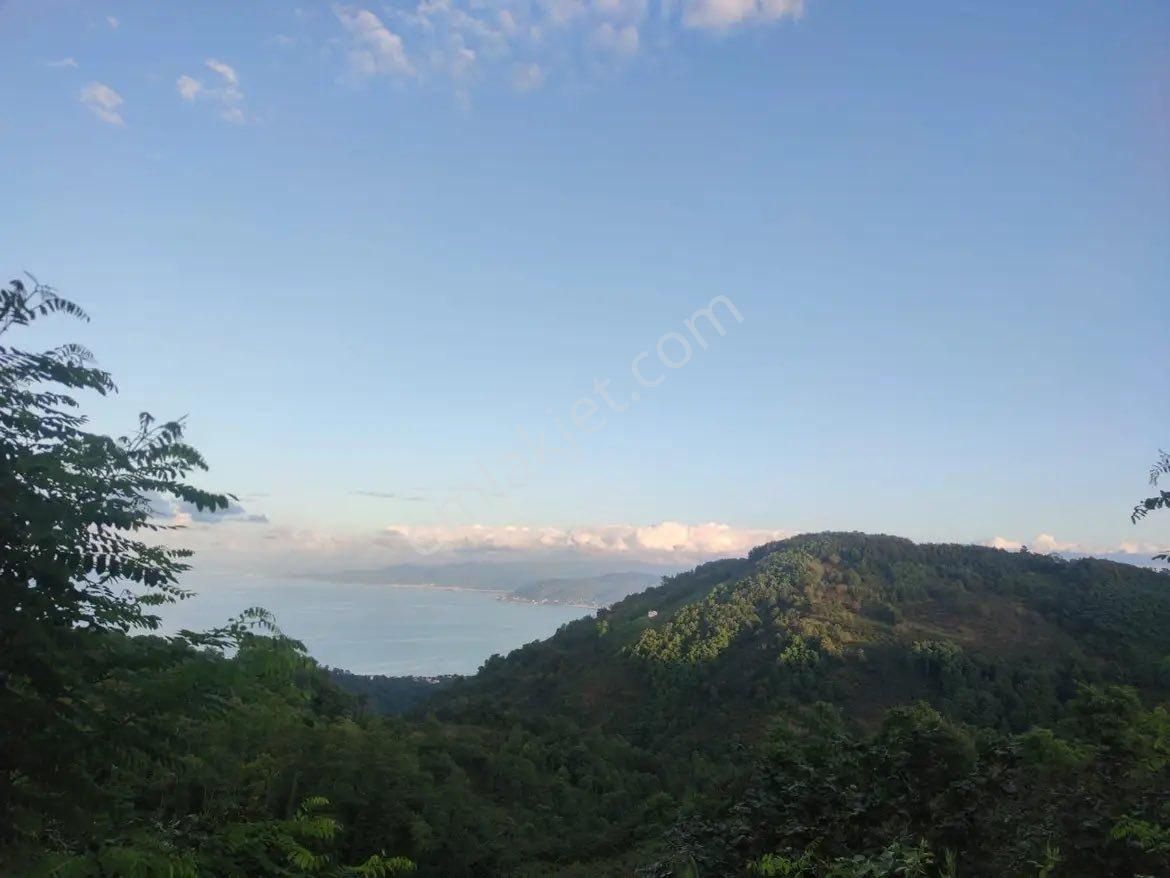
{"x": 1161, "y": 500}
{"x": 74, "y": 508}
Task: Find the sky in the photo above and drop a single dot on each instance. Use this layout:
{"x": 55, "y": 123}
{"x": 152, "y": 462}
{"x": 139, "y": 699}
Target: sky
{"x": 656, "y": 279}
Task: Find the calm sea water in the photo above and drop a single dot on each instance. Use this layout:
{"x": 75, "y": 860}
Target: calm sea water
{"x": 377, "y": 629}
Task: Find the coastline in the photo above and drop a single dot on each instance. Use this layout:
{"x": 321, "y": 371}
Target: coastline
{"x": 433, "y": 586}
{"x": 513, "y": 598}
{"x": 402, "y": 629}
{"x": 500, "y": 594}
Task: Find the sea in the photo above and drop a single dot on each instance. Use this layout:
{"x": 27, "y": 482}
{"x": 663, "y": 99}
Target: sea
{"x": 376, "y": 629}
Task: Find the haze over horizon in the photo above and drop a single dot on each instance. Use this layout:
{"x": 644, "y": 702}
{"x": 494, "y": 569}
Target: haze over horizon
{"x": 425, "y": 277}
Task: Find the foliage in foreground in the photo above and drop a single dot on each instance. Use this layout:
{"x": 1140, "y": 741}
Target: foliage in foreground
{"x": 109, "y": 762}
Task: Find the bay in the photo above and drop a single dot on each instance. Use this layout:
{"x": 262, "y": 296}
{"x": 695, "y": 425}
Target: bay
{"x": 377, "y": 629}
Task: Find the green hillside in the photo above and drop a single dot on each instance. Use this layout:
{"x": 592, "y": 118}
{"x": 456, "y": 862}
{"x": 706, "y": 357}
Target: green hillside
{"x": 823, "y": 636}
{"x": 865, "y": 622}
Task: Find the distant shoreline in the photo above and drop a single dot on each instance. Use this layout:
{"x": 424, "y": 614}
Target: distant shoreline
{"x": 513, "y": 598}
{"x": 433, "y": 586}
{"x": 520, "y": 591}
{"x": 499, "y": 593}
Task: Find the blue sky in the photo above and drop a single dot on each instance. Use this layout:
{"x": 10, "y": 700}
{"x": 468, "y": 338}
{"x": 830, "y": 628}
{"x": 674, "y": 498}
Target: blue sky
{"x": 363, "y": 246}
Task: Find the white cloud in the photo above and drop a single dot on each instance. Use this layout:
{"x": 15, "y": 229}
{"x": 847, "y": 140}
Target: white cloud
{"x": 662, "y": 541}
{"x": 460, "y": 59}
{"x": 522, "y": 42}
{"x": 374, "y": 49}
{"x": 1003, "y": 543}
{"x": 112, "y": 22}
{"x": 226, "y": 94}
{"x": 619, "y": 40}
{"x": 621, "y": 9}
{"x": 63, "y": 62}
{"x": 561, "y": 12}
{"x": 229, "y": 537}
{"x": 711, "y": 539}
{"x": 103, "y": 102}
{"x": 1135, "y": 547}
{"x": 188, "y": 87}
{"x": 224, "y": 70}
{"x": 528, "y": 77}
{"x": 180, "y": 513}
{"x": 723, "y": 14}
{"x": 234, "y": 539}
{"x": 1047, "y": 544}
{"x": 1044, "y": 544}
{"x": 246, "y": 541}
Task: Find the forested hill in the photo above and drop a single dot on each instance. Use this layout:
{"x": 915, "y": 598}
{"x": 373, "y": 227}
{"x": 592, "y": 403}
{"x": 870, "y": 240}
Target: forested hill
{"x": 723, "y": 687}
{"x": 994, "y": 637}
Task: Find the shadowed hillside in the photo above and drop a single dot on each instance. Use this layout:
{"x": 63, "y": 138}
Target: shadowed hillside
{"x": 865, "y": 622}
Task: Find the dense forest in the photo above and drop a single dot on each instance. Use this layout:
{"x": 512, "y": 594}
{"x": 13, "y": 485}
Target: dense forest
{"x": 387, "y": 696}
{"x": 832, "y": 704}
